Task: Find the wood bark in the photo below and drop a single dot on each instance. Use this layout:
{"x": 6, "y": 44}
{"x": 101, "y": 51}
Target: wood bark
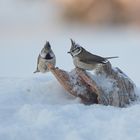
{"x": 107, "y": 85}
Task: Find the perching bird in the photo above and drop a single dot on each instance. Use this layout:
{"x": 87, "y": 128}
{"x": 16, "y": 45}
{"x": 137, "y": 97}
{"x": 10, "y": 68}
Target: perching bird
{"x": 46, "y": 56}
{"x": 84, "y": 59}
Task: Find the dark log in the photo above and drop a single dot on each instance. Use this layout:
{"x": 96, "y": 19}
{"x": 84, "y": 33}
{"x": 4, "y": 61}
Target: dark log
{"x": 107, "y": 85}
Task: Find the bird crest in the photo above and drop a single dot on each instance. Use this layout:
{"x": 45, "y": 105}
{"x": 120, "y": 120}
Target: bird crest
{"x": 75, "y": 48}
{"x": 47, "y": 45}
{"x": 73, "y": 44}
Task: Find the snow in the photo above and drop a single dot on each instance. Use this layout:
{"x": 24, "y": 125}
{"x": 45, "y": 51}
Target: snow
{"x": 74, "y": 79}
{"x": 36, "y": 107}
{"x": 47, "y": 112}
{"x": 106, "y": 83}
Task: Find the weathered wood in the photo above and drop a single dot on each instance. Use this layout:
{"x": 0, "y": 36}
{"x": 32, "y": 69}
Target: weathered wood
{"x": 74, "y": 85}
{"x": 123, "y": 90}
{"x": 107, "y": 85}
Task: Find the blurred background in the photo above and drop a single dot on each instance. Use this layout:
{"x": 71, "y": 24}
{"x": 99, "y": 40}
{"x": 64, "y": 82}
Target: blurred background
{"x": 102, "y": 11}
{"x": 104, "y": 27}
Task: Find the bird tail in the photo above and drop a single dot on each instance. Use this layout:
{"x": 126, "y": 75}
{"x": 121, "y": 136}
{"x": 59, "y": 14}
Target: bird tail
{"x": 36, "y": 71}
{"x": 112, "y": 57}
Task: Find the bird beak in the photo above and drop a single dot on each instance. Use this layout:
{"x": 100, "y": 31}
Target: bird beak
{"x": 70, "y": 53}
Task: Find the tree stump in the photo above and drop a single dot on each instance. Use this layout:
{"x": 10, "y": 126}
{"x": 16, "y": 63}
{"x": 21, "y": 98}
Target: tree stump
{"x": 107, "y": 85}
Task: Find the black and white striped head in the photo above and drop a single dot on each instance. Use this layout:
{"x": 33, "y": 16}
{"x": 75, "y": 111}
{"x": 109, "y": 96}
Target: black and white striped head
{"x": 75, "y": 48}
{"x": 46, "y": 50}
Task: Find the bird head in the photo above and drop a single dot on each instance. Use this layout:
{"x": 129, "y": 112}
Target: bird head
{"x": 46, "y": 49}
{"x": 75, "y": 48}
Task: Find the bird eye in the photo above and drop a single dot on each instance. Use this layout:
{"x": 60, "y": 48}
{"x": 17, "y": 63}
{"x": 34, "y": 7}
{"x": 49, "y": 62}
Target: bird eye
{"x": 78, "y": 48}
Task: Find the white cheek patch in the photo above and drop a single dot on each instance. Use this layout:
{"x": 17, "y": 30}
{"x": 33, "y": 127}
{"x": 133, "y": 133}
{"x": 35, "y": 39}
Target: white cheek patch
{"x": 76, "y": 53}
{"x": 52, "y": 54}
{"x": 43, "y": 55}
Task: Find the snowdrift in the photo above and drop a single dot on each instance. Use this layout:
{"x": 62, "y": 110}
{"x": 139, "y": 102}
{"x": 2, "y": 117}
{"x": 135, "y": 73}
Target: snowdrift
{"x": 38, "y": 108}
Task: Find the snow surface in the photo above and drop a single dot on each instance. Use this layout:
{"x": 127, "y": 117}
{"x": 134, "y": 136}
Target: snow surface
{"x": 36, "y": 107}
{"x": 75, "y": 84}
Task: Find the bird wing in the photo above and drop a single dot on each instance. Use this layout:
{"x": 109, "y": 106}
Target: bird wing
{"x": 91, "y": 58}
{"x": 37, "y": 70}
